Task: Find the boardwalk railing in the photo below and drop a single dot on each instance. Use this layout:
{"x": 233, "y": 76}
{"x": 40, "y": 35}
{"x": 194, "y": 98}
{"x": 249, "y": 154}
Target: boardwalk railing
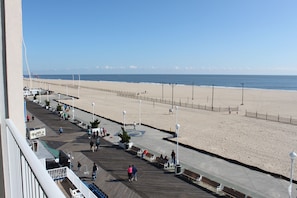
{"x": 275, "y": 118}
{"x": 24, "y": 174}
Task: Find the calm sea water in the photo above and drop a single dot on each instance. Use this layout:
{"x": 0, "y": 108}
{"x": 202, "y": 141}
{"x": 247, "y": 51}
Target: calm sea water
{"x": 248, "y": 81}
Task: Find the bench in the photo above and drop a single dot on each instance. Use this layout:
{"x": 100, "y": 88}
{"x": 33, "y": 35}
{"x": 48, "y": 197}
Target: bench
{"x": 149, "y": 157}
{"x": 210, "y": 183}
{"x": 190, "y": 175}
{"x": 232, "y": 193}
{"x": 134, "y": 150}
{"x": 160, "y": 162}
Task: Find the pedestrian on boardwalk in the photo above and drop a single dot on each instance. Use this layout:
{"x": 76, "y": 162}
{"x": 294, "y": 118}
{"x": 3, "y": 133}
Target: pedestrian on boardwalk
{"x": 134, "y": 173}
{"x": 60, "y": 130}
{"x": 173, "y": 156}
{"x": 130, "y": 172}
{"x": 94, "y": 174}
{"x": 91, "y": 145}
{"x": 97, "y": 143}
{"x": 78, "y": 166}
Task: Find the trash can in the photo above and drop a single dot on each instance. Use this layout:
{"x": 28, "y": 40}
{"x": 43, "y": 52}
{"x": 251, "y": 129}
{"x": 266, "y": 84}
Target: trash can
{"x": 178, "y": 169}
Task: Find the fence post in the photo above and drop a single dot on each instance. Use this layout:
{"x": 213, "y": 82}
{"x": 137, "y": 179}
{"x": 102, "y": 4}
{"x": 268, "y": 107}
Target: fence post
{"x": 266, "y": 115}
{"x": 256, "y": 114}
{"x": 278, "y": 118}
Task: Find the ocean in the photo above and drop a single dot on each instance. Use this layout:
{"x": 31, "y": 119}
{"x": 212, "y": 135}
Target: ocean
{"x": 237, "y": 81}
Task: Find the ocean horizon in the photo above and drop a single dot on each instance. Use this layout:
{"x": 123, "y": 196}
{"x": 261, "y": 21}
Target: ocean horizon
{"x": 277, "y": 82}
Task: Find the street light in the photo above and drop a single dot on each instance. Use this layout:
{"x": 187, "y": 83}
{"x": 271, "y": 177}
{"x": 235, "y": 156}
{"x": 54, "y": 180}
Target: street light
{"x": 72, "y": 108}
{"x": 177, "y": 166}
{"x": 93, "y": 105}
{"x": 124, "y": 114}
{"x": 293, "y": 155}
{"x": 139, "y": 112}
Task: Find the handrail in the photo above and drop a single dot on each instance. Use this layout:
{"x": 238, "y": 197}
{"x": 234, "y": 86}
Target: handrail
{"x": 43, "y": 178}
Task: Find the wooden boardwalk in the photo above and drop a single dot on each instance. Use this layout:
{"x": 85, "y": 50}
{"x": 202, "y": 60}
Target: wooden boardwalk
{"x": 152, "y": 181}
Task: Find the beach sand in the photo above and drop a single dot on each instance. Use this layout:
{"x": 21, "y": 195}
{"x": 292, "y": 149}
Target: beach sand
{"x": 260, "y": 143}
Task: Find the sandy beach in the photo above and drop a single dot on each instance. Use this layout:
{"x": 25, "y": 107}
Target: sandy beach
{"x": 260, "y": 143}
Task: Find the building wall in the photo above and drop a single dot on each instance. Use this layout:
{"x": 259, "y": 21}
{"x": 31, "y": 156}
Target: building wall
{"x": 11, "y": 83}
{"x": 13, "y": 21}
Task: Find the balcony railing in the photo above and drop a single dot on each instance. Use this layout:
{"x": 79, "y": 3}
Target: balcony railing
{"x": 64, "y": 172}
{"x": 24, "y": 175}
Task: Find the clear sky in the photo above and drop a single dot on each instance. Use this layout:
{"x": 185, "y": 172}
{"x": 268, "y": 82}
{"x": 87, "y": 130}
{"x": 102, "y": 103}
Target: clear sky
{"x": 160, "y": 36}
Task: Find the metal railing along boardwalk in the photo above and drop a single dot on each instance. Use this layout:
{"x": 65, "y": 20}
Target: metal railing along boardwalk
{"x": 26, "y": 177}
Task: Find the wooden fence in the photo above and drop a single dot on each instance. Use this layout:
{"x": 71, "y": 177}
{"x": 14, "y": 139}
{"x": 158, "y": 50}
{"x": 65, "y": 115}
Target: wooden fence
{"x": 275, "y": 118}
{"x": 175, "y": 103}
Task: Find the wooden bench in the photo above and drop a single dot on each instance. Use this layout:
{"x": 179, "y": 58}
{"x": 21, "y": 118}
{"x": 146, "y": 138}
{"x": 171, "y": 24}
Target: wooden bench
{"x": 190, "y": 175}
{"x": 232, "y": 193}
{"x": 160, "y": 162}
{"x": 210, "y": 183}
{"x": 134, "y": 150}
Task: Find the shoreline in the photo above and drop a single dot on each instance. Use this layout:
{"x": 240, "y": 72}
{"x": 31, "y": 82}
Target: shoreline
{"x": 258, "y": 143}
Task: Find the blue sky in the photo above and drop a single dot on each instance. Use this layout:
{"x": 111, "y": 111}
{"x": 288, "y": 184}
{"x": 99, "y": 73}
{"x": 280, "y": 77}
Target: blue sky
{"x": 160, "y": 36}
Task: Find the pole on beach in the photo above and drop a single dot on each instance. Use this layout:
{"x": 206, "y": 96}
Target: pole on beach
{"x": 192, "y": 90}
{"x": 212, "y": 97}
{"x": 172, "y": 93}
{"x": 242, "y": 86}
{"x": 124, "y": 115}
{"x": 139, "y": 112}
{"x": 293, "y": 155}
{"x": 93, "y": 106}
{"x": 78, "y": 87}
{"x": 72, "y": 108}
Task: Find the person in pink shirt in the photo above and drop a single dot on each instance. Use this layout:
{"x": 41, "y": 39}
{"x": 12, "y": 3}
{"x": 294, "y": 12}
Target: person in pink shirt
{"x": 130, "y": 171}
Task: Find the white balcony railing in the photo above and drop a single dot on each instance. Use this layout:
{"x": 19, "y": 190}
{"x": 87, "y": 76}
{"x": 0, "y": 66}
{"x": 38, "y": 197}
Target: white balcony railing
{"x": 25, "y": 176}
{"x": 63, "y": 172}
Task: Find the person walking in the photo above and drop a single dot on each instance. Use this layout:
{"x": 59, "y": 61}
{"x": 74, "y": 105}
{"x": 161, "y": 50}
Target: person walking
{"x": 134, "y": 173}
{"x": 78, "y": 166}
{"x": 173, "y": 156}
{"x": 94, "y": 174}
{"x": 91, "y": 145}
{"x": 60, "y": 130}
{"x": 97, "y": 143}
{"x": 130, "y": 172}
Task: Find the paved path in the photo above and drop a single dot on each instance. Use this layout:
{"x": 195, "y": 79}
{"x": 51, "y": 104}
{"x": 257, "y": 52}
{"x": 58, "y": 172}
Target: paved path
{"x": 250, "y": 182}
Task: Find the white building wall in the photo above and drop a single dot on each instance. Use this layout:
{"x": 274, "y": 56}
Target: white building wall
{"x": 13, "y": 21}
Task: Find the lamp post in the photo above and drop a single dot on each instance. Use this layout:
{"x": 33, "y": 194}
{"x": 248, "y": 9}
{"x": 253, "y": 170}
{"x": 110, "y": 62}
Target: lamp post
{"x": 242, "y": 86}
{"x": 93, "y": 105}
{"x": 124, "y": 115}
{"x": 139, "y": 112}
{"x": 293, "y": 155}
{"x": 72, "y": 108}
{"x": 177, "y": 166}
